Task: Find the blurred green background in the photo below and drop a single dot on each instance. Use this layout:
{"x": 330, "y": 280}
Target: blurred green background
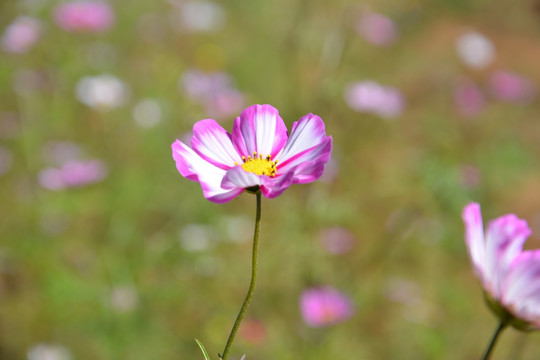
{"x": 137, "y": 264}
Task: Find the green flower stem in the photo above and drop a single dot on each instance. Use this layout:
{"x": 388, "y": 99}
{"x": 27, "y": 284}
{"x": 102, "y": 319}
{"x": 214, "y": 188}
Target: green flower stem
{"x": 249, "y": 295}
{"x": 500, "y": 328}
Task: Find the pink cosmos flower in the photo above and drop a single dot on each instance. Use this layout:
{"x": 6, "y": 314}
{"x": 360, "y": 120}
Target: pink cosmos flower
{"x": 324, "y": 306}
{"x": 84, "y": 16}
{"x": 510, "y": 276}
{"x": 259, "y": 154}
{"x": 21, "y": 35}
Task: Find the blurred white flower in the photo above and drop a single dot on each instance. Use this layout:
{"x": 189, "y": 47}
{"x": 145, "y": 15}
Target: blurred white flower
{"x": 475, "y": 50}
{"x": 102, "y": 92}
{"x": 200, "y": 16}
{"x": 374, "y": 98}
{"x": 48, "y": 352}
{"x": 196, "y": 237}
{"x": 124, "y": 298}
{"x": 21, "y": 35}
{"x": 239, "y": 229}
{"x": 147, "y": 113}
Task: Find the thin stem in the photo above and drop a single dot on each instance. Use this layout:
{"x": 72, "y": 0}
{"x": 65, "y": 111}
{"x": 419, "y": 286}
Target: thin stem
{"x": 249, "y": 294}
{"x": 502, "y": 326}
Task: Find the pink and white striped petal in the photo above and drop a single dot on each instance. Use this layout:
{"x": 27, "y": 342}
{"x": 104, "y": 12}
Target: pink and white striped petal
{"x": 306, "y": 134}
{"x": 521, "y": 287}
{"x": 259, "y": 128}
{"x": 239, "y": 178}
{"x": 474, "y": 237}
{"x": 195, "y": 168}
{"x": 274, "y": 187}
{"x": 214, "y": 144}
{"x": 308, "y": 165}
{"x": 504, "y": 241}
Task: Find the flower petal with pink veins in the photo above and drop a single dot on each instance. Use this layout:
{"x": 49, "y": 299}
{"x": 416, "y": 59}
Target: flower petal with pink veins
{"x": 238, "y": 177}
{"x": 273, "y": 187}
{"x": 214, "y": 144}
{"x": 504, "y": 241}
{"x": 194, "y": 168}
{"x": 309, "y": 165}
{"x": 474, "y": 237}
{"x": 521, "y": 287}
{"x": 259, "y": 128}
{"x": 306, "y": 134}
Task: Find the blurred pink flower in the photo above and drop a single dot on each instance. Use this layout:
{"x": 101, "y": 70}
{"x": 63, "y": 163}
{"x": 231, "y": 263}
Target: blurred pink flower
{"x": 72, "y": 174}
{"x": 510, "y": 276}
{"x": 324, "y": 306}
{"x": 213, "y": 90}
{"x": 21, "y": 35}
{"x": 510, "y": 87}
{"x": 371, "y": 97}
{"x": 337, "y": 240}
{"x": 469, "y": 99}
{"x": 225, "y": 165}
{"x": 377, "y": 29}
{"x": 84, "y": 16}
{"x": 224, "y": 103}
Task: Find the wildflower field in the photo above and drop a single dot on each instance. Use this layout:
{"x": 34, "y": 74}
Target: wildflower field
{"x": 397, "y": 115}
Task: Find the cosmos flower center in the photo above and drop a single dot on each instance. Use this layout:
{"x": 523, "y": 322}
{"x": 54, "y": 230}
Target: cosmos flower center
{"x": 259, "y": 165}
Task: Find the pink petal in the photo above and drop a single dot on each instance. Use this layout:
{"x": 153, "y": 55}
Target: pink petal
{"x": 504, "y": 241}
{"x": 474, "y": 238}
{"x": 194, "y": 168}
{"x": 306, "y": 134}
{"x": 311, "y": 163}
{"x": 214, "y": 144}
{"x": 521, "y": 287}
{"x": 259, "y": 128}
{"x": 238, "y": 177}
{"x": 273, "y": 187}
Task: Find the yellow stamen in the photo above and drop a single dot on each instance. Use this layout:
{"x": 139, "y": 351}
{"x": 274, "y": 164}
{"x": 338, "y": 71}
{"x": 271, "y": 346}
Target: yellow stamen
{"x": 260, "y": 165}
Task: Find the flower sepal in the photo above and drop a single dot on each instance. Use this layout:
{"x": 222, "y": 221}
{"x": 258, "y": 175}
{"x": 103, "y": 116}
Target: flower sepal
{"x": 253, "y": 189}
{"x": 506, "y": 317}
